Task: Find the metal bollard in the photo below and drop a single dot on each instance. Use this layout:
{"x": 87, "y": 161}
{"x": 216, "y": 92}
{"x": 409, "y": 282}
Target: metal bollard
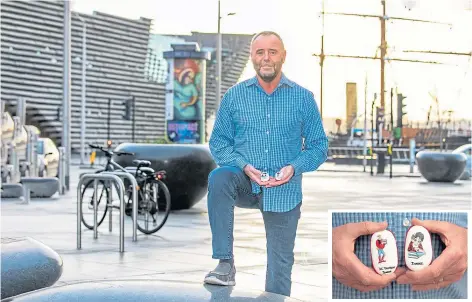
{"x": 15, "y": 159}
{"x": 15, "y": 162}
{"x": 26, "y": 193}
{"x": 34, "y": 160}
{"x": 412, "y": 154}
{"x": 121, "y": 188}
{"x": 62, "y": 184}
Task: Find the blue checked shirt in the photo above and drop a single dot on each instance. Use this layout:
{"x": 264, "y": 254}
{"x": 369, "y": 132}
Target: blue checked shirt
{"x": 268, "y": 132}
{"x": 457, "y": 290}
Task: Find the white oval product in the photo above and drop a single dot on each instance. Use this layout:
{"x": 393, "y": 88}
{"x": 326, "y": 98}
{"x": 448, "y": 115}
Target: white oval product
{"x": 418, "y": 248}
{"x": 383, "y": 251}
{"x": 279, "y": 175}
{"x": 264, "y": 176}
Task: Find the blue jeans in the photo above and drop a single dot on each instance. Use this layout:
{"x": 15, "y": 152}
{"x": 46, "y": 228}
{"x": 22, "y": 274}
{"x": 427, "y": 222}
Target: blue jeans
{"x": 229, "y": 187}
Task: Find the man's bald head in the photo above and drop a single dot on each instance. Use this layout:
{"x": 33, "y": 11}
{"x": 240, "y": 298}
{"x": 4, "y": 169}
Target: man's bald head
{"x": 267, "y": 55}
{"x": 268, "y": 33}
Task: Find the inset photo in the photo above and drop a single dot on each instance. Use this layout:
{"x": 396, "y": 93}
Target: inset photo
{"x": 398, "y": 255}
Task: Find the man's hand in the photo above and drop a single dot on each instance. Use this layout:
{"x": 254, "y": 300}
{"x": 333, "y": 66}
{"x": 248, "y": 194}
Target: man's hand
{"x": 347, "y": 268}
{"x": 287, "y": 173}
{"x": 254, "y": 174}
{"x": 449, "y": 267}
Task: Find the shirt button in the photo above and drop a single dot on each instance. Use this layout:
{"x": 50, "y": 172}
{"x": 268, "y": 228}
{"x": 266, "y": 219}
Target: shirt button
{"x": 266, "y": 150}
{"x": 267, "y": 132}
{"x": 406, "y": 222}
{"x": 268, "y": 115}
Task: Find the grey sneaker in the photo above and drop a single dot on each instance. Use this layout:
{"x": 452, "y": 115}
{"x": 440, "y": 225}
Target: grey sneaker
{"x": 224, "y": 274}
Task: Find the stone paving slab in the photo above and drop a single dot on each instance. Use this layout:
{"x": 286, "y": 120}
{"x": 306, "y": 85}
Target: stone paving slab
{"x": 181, "y": 250}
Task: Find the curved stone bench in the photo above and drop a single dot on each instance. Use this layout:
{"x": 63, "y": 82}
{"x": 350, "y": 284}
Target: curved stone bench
{"x": 41, "y": 187}
{"x": 187, "y": 166}
{"x": 441, "y": 166}
{"x": 12, "y": 190}
{"x": 139, "y": 290}
{"x": 27, "y": 265}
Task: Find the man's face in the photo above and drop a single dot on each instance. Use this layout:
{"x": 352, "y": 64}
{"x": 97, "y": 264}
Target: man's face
{"x": 268, "y": 56}
{"x": 417, "y": 240}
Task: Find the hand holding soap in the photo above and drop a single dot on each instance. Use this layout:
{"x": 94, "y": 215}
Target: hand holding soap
{"x": 264, "y": 176}
{"x": 383, "y": 250}
{"x": 279, "y": 175}
{"x": 418, "y": 248}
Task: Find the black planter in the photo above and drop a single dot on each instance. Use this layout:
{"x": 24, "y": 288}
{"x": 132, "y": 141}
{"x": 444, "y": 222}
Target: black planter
{"x": 441, "y": 166}
{"x": 187, "y": 166}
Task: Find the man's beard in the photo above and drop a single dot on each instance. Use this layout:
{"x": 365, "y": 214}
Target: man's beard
{"x": 267, "y": 77}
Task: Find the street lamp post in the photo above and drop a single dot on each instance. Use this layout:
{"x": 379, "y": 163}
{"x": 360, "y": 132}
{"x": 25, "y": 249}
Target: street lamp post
{"x": 219, "y": 62}
{"x": 84, "y": 68}
{"x": 218, "y": 59}
{"x": 66, "y": 94}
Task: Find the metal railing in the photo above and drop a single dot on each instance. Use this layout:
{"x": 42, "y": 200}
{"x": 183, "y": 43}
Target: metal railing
{"x": 121, "y": 192}
{"x": 400, "y": 155}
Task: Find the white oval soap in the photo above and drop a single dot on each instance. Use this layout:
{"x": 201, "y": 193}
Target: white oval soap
{"x": 383, "y": 250}
{"x": 418, "y": 248}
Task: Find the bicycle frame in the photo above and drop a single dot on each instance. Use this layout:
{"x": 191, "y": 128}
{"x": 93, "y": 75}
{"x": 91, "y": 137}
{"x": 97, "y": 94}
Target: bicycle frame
{"x": 114, "y": 164}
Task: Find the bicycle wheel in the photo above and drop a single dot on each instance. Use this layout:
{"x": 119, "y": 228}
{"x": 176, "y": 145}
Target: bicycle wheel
{"x": 87, "y": 203}
{"x": 153, "y": 207}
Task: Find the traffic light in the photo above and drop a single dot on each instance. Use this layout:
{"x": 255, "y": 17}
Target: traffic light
{"x": 127, "y": 104}
{"x": 400, "y": 110}
{"x": 380, "y": 112}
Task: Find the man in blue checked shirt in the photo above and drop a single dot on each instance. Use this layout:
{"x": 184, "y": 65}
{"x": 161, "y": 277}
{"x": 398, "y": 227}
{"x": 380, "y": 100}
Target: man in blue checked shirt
{"x": 264, "y": 125}
{"x": 444, "y": 278}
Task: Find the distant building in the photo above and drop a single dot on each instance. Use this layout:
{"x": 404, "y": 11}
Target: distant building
{"x": 124, "y": 61}
{"x": 351, "y": 104}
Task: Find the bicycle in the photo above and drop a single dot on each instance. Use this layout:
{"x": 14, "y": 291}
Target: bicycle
{"x": 153, "y": 195}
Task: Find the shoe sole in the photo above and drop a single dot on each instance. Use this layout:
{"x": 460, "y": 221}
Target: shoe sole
{"x": 216, "y": 281}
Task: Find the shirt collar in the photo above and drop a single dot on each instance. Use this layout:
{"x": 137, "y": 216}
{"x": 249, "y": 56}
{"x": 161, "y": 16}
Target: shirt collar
{"x": 283, "y": 80}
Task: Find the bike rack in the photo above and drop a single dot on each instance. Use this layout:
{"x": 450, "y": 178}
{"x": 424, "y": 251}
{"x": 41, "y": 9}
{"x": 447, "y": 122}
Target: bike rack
{"x": 133, "y": 181}
{"x": 96, "y": 177}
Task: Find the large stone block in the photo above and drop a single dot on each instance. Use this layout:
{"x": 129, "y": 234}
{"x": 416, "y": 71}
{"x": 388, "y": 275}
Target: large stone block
{"x": 187, "y": 166}
{"x": 143, "y": 291}
{"x": 12, "y": 190}
{"x": 441, "y": 166}
{"x": 41, "y": 187}
{"x": 27, "y": 265}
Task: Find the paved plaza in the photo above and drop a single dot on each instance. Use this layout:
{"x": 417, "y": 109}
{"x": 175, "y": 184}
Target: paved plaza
{"x": 181, "y": 250}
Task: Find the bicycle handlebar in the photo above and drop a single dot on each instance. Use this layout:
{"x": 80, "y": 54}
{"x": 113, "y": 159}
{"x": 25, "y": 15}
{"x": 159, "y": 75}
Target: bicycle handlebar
{"x": 108, "y": 152}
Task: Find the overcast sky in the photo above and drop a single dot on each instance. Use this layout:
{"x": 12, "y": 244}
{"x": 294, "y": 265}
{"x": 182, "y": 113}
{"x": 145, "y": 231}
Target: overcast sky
{"x": 299, "y": 23}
